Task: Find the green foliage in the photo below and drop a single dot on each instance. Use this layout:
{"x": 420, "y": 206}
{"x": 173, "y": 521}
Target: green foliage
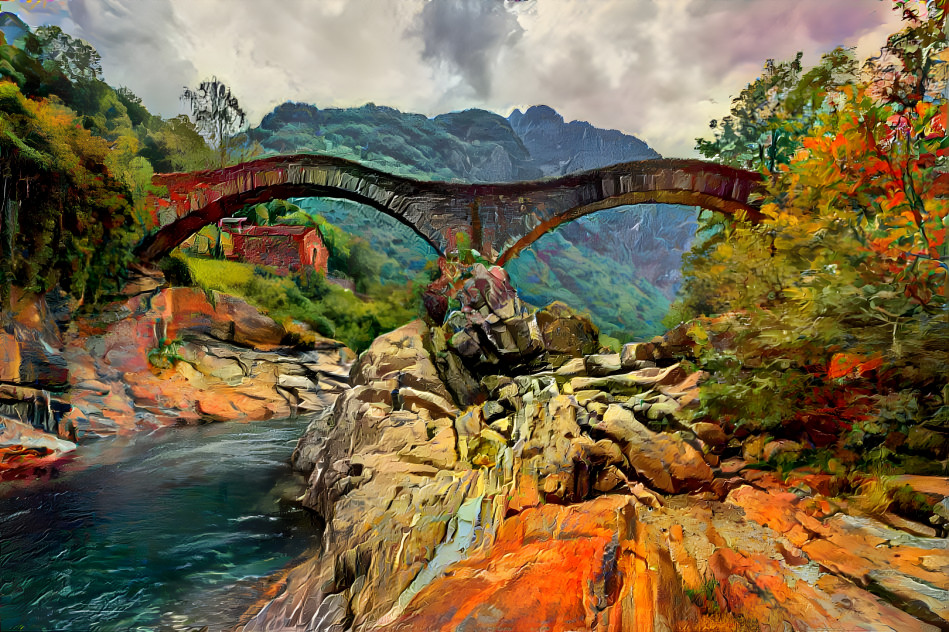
{"x": 176, "y": 270}
{"x": 77, "y": 159}
{"x": 611, "y": 343}
{"x": 771, "y": 114}
{"x": 166, "y": 354}
{"x": 311, "y": 299}
{"x": 67, "y": 219}
{"x": 704, "y": 596}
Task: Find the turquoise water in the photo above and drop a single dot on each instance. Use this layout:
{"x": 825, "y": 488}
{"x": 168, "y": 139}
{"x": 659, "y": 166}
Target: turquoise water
{"x": 173, "y": 530}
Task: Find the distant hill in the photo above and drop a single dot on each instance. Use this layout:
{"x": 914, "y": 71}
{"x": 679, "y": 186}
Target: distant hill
{"x": 623, "y": 265}
{"x": 474, "y": 146}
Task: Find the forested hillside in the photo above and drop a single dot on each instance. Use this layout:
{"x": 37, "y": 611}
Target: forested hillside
{"x": 77, "y": 157}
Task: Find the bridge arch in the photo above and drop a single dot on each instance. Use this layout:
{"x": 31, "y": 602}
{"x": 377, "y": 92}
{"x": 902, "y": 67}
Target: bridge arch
{"x": 683, "y": 198}
{"x": 502, "y": 219}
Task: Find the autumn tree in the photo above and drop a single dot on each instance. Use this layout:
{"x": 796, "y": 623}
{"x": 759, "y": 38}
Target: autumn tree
{"x": 846, "y": 277}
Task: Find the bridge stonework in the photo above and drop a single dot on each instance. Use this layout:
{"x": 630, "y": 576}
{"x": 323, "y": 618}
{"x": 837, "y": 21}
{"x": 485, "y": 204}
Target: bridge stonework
{"x": 501, "y": 219}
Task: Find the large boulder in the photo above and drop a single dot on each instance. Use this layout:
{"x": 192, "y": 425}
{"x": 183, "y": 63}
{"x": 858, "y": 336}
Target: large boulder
{"x": 492, "y": 331}
{"x": 664, "y": 460}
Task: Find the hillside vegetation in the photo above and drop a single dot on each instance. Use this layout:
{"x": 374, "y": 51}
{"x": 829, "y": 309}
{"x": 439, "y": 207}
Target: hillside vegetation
{"x": 828, "y": 322}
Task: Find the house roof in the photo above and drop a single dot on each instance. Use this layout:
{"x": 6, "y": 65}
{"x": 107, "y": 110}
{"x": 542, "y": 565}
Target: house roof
{"x": 260, "y": 231}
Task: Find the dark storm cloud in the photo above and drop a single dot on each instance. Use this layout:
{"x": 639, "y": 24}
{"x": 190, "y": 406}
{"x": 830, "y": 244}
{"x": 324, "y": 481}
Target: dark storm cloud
{"x": 467, "y": 35}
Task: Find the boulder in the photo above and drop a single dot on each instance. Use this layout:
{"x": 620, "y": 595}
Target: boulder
{"x": 634, "y": 352}
{"x": 492, "y": 332}
{"x": 664, "y": 460}
{"x": 632, "y": 382}
{"x": 566, "y": 333}
{"x": 601, "y": 364}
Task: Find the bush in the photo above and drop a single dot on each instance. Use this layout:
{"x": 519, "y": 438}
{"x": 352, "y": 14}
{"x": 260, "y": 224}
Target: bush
{"x": 176, "y": 270}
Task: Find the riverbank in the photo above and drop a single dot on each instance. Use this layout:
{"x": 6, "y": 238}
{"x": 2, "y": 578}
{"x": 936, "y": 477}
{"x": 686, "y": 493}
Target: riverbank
{"x": 164, "y": 356}
{"x": 497, "y": 471}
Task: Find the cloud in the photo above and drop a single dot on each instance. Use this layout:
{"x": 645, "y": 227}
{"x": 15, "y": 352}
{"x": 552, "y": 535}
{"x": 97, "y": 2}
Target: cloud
{"x": 138, "y": 42}
{"x": 468, "y": 36}
{"x": 659, "y": 70}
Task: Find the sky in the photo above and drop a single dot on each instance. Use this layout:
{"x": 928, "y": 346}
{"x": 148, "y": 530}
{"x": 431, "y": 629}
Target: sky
{"x": 657, "y": 69}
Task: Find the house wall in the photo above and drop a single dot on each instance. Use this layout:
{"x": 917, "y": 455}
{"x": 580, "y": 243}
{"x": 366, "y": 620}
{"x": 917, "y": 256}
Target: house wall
{"x": 279, "y": 251}
{"x": 314, "y": 252}
{"x": 286, "y": 253}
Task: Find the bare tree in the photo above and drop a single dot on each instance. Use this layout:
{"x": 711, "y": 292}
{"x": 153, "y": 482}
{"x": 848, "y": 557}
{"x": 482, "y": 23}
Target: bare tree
{"x": 216, "y": 113}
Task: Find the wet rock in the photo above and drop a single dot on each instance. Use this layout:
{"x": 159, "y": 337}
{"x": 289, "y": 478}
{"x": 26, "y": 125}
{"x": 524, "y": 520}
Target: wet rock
{"x": 31, "y": 345}
{"x": 23, "y": 447}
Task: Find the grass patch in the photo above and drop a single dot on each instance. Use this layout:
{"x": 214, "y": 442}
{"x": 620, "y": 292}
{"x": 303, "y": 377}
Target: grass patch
{"x": 328, "y": 309}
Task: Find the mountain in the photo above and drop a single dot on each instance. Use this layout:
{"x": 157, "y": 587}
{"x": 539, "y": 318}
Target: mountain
{"x": 559, "y": 148}
{"x": 623, "y": 265}
{"x": 473, "y": 146}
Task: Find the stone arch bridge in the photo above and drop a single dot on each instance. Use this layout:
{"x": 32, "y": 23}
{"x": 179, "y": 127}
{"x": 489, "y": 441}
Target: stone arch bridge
{"x": 501, "y": 219}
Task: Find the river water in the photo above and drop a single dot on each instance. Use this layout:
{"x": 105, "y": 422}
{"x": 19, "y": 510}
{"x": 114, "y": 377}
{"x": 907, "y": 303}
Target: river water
{"x": 173, "y": 530}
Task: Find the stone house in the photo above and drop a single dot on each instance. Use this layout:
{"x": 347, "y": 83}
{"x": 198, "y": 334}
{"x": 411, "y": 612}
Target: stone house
{"x": 286, "y": 248}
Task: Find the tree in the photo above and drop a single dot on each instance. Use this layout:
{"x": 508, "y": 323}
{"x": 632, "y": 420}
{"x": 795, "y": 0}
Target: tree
{"x": 217, "y": 114}
{"x": 772, "y": 113}
{"x": 66, "y": 216}
{"x": 835, "y": 306}
{"x": 76, "y": 58}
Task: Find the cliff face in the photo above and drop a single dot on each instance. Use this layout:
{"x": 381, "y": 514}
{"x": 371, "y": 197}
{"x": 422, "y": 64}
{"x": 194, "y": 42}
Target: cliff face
{"x": 495, "y": 471}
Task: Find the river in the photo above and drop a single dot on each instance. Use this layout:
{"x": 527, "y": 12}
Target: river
{"x": 170, "y": 530}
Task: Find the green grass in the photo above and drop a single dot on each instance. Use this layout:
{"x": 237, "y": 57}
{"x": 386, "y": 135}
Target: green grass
{"x": 328, "y": 309}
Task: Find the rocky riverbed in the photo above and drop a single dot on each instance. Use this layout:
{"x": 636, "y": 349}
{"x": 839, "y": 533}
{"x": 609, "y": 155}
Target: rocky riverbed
{"x": 495, "y": 472}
